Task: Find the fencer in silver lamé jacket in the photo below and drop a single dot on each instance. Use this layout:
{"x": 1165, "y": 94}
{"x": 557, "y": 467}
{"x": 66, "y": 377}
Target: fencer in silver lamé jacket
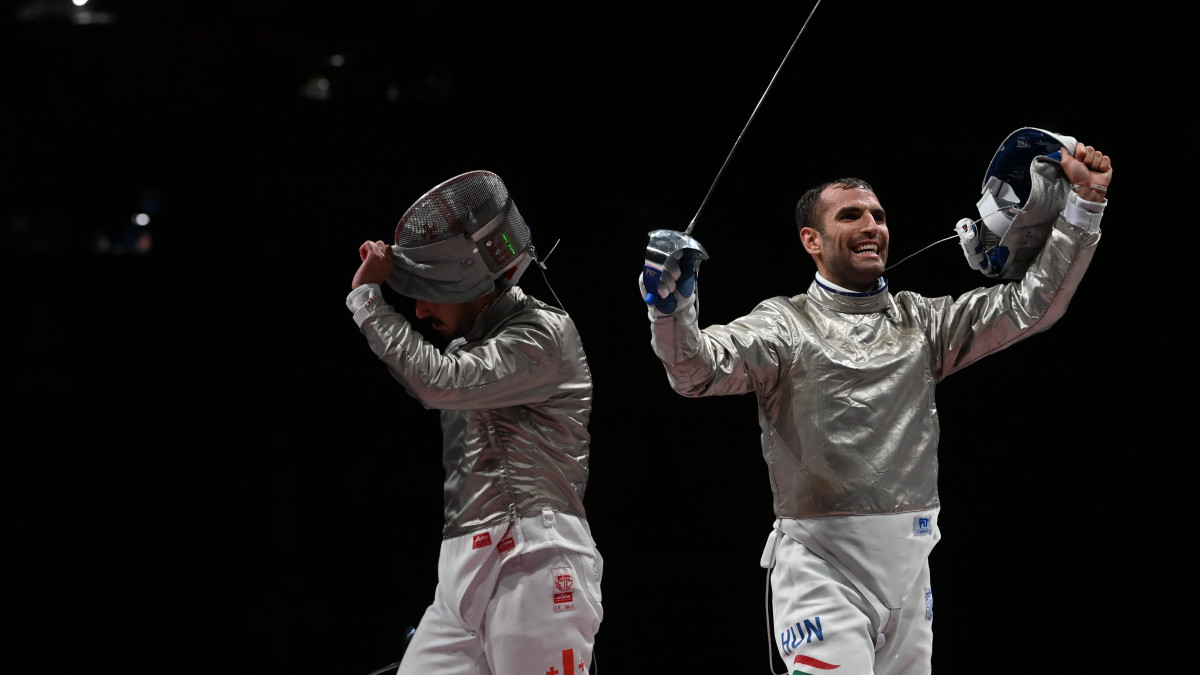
{"x": 515, "y": 396}
{"x": 845, "y": 382}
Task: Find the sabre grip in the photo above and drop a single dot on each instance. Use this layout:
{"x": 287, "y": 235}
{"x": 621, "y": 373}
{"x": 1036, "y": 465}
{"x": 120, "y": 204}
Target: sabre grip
{"x": 979, "y": 257}
{"x": 678, "y": 256}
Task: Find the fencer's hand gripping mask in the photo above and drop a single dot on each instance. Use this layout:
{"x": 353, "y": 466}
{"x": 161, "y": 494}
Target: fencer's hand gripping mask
{"x": 1021, "y": 198}
{"x": 459, "y": 239}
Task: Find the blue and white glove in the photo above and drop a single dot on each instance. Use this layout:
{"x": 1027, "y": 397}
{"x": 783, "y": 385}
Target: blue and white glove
{"x": 668, "y": 279}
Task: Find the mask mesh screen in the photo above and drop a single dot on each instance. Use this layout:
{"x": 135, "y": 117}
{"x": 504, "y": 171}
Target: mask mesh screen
{"x": 459, "y": 206}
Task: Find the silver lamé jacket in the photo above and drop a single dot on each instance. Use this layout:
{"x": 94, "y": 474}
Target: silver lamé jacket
{"x": 515, "y": 396}
{"x": 845, "y": 382}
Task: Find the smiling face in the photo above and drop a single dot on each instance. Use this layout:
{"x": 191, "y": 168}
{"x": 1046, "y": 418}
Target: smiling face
{"x": 850, "y": 242}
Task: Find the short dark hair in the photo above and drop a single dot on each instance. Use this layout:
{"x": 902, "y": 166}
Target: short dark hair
{"x": 806, "y": 208}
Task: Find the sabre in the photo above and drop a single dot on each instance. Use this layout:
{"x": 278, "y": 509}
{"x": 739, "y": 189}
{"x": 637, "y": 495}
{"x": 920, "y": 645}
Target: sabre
{"x": 666, "y": 243}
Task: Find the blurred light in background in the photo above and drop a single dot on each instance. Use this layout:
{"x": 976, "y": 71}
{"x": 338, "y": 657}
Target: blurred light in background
{"x": 350, "y": 76}
{"x": 75, "y": 11}
{"x": 107, "y": 96}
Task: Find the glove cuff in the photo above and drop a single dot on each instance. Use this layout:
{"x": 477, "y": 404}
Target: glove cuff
{"x": 681, "y": 303}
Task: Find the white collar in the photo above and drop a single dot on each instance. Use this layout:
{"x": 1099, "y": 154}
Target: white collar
{"x": 829, "y": 284}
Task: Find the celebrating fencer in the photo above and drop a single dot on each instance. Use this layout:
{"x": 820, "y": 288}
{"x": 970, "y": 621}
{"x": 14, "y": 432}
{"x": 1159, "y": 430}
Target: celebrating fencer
{"x": 845, "y": 373}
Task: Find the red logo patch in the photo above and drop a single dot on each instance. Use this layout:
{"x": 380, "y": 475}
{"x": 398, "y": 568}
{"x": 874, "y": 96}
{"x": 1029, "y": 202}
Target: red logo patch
{"x": 564, "y": 602}
{"x": 481, "y": 540}
{"x": 564, "y": 585}
{"x": 562, "y": 579}
{"x": 506, "y": 544}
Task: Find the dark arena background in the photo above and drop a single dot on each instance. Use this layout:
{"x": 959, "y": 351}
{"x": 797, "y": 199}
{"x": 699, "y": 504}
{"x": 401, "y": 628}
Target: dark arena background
{"x": 207, "y": 471}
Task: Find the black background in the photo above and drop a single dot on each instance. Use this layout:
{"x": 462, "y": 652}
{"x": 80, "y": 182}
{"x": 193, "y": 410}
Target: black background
{"x": 206, "y": 470}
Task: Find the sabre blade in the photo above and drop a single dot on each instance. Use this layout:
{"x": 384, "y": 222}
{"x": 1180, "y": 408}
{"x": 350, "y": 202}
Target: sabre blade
{"x": 754, "y": 112}
{"x": 665, "y": 243}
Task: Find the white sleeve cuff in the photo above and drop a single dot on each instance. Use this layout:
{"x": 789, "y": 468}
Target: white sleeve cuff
{"x": 1082, "y": 213}
{"x": 361, "y": 300}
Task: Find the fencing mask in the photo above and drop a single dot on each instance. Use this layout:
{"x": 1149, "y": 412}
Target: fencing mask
{"x": 459, "y": 239}
{"x": 1019, "y": 203}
